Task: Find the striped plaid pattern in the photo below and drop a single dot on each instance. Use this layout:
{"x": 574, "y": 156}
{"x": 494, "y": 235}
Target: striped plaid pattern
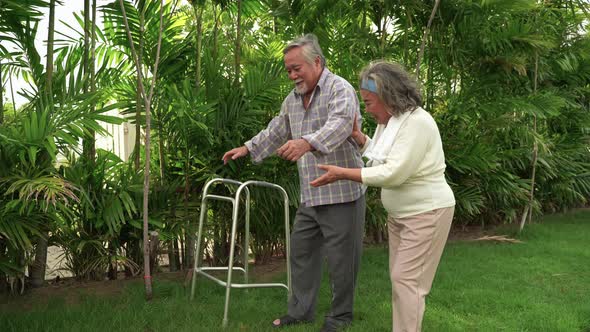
{"x": 326, "y": 125}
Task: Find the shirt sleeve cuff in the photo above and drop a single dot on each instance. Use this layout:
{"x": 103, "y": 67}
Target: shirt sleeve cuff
{"x": 316, "y": 144}
{"x": 368, "y": 177}
{"x": 255, "y": 158}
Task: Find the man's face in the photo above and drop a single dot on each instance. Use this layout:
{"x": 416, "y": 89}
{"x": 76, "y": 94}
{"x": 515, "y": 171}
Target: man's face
{"x": 303, "y": 74}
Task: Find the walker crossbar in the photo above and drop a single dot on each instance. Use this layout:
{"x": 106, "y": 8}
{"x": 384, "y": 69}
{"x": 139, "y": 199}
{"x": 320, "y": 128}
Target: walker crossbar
{"x": 233, "y": 285}
{"x": 230, "y": 268}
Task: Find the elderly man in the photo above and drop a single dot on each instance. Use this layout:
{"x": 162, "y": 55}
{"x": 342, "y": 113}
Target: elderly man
{"x": 314, "y": 127}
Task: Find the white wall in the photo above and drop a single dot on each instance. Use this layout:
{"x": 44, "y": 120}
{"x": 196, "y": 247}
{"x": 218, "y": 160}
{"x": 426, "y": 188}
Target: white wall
{"x": 121, "y": 139}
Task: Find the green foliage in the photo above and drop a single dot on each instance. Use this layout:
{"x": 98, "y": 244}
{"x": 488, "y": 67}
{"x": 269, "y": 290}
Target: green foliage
{"x": 506, "y": 81}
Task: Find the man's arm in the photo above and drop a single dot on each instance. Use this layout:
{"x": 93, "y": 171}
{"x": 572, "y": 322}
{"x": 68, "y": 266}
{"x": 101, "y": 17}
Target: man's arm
{"x": 265, "y": 142}
{"x": 343, "y": 105}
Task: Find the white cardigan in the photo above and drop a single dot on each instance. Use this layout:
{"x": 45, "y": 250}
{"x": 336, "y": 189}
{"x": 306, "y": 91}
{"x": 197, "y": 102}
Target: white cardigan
{"x": 412, "y": 177}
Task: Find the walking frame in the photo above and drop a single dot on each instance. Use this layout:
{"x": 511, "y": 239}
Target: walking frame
{"x": 242, "y": 187}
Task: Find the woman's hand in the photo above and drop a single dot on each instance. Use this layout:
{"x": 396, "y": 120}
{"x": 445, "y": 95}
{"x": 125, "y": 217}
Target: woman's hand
{"x": 333, "y": 173}
{"x": 357, "y": 134}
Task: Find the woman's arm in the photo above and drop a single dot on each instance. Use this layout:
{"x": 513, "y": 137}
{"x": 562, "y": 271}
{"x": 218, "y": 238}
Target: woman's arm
{"x": 413, "y": 142}
{"x": 357, "y": 135}
{"x": 335, "y": 173}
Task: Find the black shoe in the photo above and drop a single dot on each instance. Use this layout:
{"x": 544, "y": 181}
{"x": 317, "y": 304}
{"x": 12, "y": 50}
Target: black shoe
{"x": 334, "y": 327}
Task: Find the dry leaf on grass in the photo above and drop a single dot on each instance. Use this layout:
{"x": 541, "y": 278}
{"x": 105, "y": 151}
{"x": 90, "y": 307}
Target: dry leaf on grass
{"x": 498, "y": 238}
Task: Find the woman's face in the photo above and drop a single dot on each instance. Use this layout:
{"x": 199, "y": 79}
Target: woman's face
{"x": 375, "y": 107}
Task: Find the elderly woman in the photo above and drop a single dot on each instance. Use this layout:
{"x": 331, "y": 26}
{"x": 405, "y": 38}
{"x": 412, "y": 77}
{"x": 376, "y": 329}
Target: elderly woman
{"x": 407, "y": 161}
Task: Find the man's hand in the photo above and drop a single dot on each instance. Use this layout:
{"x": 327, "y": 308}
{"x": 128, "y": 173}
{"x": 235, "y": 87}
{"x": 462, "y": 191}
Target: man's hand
{"x": 235, "y": 153}
{"x": 333, "y": 173}
{"x": 294, "y": 149}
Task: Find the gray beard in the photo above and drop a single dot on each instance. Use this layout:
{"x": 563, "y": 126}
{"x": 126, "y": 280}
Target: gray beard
{"x": 301, "y": 89}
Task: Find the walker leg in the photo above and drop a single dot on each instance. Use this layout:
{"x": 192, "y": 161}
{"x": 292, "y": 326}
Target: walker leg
{"x": 247, "y": 238}
{"x": 196, "y": 255}
{"x": 230, "y": 267}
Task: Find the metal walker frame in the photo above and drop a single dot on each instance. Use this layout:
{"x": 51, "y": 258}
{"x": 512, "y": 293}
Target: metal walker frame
{"x": 230, "y": 268}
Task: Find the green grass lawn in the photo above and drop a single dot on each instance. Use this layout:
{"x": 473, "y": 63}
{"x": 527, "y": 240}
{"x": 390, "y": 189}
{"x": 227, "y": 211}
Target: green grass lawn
{"x": 542, "y": 284}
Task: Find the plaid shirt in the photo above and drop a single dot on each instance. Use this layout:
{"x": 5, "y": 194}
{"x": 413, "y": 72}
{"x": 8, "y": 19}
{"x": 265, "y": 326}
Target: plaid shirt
{"x": 326, "y": 125}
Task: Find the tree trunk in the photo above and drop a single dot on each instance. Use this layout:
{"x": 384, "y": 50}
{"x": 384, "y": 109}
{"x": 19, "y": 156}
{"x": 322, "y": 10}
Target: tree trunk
{"x": 199, "y": 42}
{"x": 425, "y": 36}
{"x": 92, "y": 141}
{"x": 137, "y": 146}
{"x": 215, "y": 32}
{"x": 189, "y": 235}
{"x": 112, "y": 272}
{"x": 12, "y": 94}
{"x": 3, "y": 276}
{"x": 429, "y": 82}
{"x": 138, "y": 99}
{"x": 172, "y": 266}
{"x": 154, "y": 249}
{"x": 173, "y": 260}
{"x": 37, "y": 273}
{"x": 377, "y": 234}
{"x": 208, "y": 92}
{"x": 147, "y": 98}
{"x": 146, "y": 191}
{"x": 238, "y": 44}
{"x": 363, "y": 20}
{"x": 88, "y": 142}
{"x": 133, "y": 252}
{"x": 528, "y": 211}
{"x": 49, "y": 65}
{"x": 1, "y": 96}
{"x": 383, "y": 36}
{"x": 86, "y": 52}
{"x": 182, "y": 251}
{"x": 177, "y": 254}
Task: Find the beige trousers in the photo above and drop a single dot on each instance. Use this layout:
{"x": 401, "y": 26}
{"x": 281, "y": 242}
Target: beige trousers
{"x": 416, "y": 244}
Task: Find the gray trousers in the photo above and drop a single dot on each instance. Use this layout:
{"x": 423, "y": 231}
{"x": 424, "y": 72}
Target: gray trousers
{"x": 333, "y": 231}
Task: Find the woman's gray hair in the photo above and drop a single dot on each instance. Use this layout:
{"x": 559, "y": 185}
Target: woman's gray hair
{"x": 395, "y": 87}
{"x": 310, "y": 46}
